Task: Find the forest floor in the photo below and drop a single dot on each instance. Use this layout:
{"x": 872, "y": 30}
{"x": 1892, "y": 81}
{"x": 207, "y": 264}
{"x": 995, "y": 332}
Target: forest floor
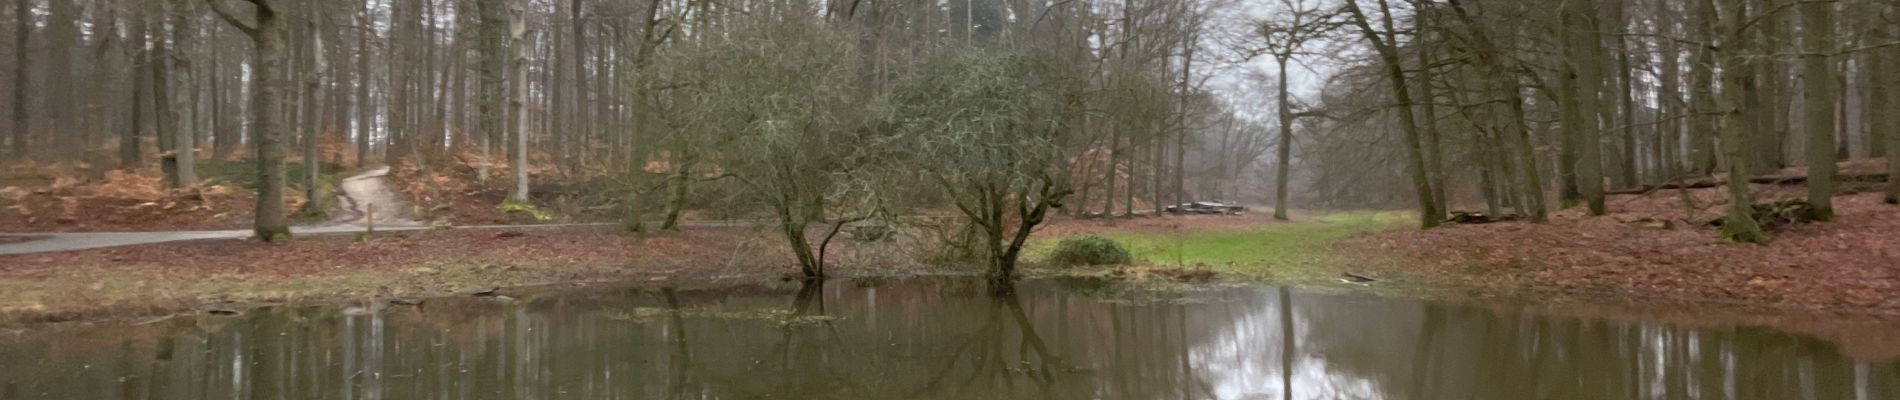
{"x": 44, "y": 198}
{"x": 162, "y": 278}
{"x": 142, "y": 280}
{"x": 1654, "y": 247}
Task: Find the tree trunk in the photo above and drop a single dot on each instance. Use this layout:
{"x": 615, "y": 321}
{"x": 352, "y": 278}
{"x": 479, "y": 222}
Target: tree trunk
{"x": 1876, "y": 117}
{"x": 1430, "y": 213}
{"x": 1181, "y": 133}
{"x": 268, "y": 31}
{"x": 1428, "y": 105}
{"x": 493, "y": 46}
{"x": 225, "y": 137}
{"x": 1109, "y": 174}
{"x": 184, "y": 141}
{"x": 517, "y": 32}
{"x": 163, "y": 109}
{"x": 98, "y": 106}
{"x": 1626, "y": 99}
{"x": 578, "y": 82}
{"x": 678, "y": 189}
{"x": 364, "y": 109}
{"x": 793, "y": 227}
{"x": 1670, "y": 131}
{"x": 1889, "y": 84}
{"x": 23, "y": 29}
{"x": 1736, "y": 70}
{"x": 129, "y": 157}
{"x": 61, "y": 30}
{"x": 1702, "y": 122}
{"x": 1157, "y": 174}
{"x": 1582, "y": 51}
{"x": 1772, "y": 101}
{"x": 312, "y": 123}
{"x": 1134, "y": 158}
{"x": 271, "y": 224}
{"x": 1817, "y": 38}
{"x": 1285, "y": 150}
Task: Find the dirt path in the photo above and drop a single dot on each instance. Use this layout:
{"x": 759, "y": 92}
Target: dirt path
{"x": 367, "y": 200}
{"x": 361, "y": 194}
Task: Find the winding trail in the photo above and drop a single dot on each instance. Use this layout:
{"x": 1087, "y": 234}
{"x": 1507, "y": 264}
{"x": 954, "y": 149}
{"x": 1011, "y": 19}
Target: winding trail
{"x": 365, "y": 197}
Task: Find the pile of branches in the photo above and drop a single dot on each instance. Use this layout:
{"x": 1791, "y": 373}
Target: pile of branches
{"x": 1778, "y": 215}
{"x": 1474, "y": 218}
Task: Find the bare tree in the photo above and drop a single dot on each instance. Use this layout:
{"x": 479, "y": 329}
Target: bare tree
{"x": 266, "y": 26}
{"x": 1286, "y": 35}
{"x": 1385, "y": 41}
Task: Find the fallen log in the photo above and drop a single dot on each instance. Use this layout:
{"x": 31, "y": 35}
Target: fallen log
{"x": 1474, "y": 218}
{"x": 1700, "y": 183}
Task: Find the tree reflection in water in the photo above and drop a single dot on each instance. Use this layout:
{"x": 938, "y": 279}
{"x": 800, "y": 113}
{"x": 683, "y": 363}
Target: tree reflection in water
{"x": 940, "y": 338}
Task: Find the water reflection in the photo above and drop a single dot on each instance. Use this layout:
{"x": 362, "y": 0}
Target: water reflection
{"x": 925, "y": 339}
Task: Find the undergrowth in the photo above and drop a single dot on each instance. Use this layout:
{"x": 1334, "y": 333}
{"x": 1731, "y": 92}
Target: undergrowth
{"x": 1089, "y": 250}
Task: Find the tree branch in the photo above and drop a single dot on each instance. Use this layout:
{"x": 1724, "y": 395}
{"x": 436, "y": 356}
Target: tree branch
{"x": 224, "y": 12}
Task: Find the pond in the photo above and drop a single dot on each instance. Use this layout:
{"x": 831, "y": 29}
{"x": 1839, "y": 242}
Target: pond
{"x": 928, "y": 338}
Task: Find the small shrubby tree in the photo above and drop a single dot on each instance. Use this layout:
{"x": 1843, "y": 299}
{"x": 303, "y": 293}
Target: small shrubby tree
{"x": 985, "y": 125}
{"x": 779, "y": 103}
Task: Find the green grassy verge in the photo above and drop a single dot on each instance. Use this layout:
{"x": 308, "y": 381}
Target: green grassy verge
{"x": 244, "y": 174}
{"x": 1293, "y": 251}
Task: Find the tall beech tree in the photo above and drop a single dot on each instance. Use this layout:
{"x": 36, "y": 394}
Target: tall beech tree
{"x": 265, "y": 23}
{"x": 1817, "y": 62}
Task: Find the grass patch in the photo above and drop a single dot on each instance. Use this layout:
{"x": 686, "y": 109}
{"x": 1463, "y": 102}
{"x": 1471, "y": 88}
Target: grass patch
{"x": 1297, "y": 251}
{"x": 244, "y": 174}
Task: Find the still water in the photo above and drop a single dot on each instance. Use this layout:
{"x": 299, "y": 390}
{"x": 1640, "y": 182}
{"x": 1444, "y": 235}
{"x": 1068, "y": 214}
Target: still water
{"x": 927, "y": 338}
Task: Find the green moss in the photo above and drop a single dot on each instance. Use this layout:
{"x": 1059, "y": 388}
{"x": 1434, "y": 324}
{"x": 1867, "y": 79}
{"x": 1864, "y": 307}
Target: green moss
{"x": 273, "y": 235}
{"x": 1297, "y": 251}
{"x": 244, "y": 173}
{"x": 524, "y": 208}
